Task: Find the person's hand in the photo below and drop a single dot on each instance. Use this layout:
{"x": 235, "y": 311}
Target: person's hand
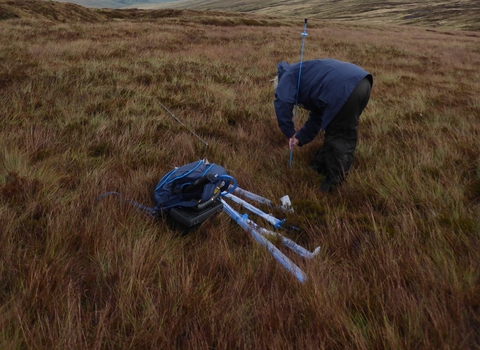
{"x": 292, "y": 142}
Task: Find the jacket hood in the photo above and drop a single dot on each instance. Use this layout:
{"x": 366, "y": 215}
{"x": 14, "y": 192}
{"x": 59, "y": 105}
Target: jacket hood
{"x": 281, "y": 68}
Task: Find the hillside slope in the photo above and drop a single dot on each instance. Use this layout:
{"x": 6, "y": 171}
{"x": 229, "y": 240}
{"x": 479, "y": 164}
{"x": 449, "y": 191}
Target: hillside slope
{"x": 459, "y": 14}
{"x": 114, "y": 4}
{"x": 58, "y": 12}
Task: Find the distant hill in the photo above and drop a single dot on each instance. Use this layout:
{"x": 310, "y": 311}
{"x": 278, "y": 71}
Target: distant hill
{"x": 115, "y": 4}
{"x": 58, "y": 11}
{"x": 459, "y": 14}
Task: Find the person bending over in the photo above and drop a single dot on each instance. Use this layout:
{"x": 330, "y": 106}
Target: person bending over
{"x": 335, "y": 93}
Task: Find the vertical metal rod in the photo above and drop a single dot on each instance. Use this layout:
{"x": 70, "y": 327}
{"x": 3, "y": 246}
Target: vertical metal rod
{"x": 304, "y": 34}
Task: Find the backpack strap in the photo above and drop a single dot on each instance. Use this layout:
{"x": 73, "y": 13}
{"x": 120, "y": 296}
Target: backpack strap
{"x": 203, "y": 181}
{"x": 150, "y": 211}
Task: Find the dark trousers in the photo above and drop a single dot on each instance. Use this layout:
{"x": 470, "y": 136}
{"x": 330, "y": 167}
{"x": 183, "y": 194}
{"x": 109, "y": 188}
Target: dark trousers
{"x": 334, "y": 159}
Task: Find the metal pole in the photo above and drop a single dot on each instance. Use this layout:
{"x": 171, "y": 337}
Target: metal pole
{"x": 304, "y": 34}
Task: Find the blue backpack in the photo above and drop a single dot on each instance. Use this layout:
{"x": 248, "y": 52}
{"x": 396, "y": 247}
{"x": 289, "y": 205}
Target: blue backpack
{"x": 195, "y": 185}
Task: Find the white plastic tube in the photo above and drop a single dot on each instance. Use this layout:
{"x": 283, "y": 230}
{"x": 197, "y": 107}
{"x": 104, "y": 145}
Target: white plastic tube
{"x": 271, "y": 219}
{"x": 304, "y": 253}
{"x": 277, "y": 254}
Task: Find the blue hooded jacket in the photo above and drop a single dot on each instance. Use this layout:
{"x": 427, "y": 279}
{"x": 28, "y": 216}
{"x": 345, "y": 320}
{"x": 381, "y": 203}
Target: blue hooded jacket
{"x": 325, "y": 86}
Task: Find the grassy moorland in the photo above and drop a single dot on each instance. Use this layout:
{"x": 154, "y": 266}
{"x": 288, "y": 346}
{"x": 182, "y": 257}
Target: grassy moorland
{"x": 114, "y": 4}
{"x": 457, "y": 14}
{"x": 79, "y": 115}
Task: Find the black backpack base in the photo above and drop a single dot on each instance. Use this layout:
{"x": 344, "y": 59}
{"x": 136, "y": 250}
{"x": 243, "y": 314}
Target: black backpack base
{"x": 187, "y": 220}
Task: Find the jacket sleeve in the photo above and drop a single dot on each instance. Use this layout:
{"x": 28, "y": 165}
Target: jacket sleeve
{"x": 310, "y": 129}
{"x": 283, "y": 111}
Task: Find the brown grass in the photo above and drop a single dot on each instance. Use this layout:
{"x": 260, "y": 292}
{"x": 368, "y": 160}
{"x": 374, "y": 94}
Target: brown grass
{"x": 79, "y": 115}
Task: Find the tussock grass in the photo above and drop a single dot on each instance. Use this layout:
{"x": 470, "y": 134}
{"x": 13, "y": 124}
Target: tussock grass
{"x": 80, "y": 115}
